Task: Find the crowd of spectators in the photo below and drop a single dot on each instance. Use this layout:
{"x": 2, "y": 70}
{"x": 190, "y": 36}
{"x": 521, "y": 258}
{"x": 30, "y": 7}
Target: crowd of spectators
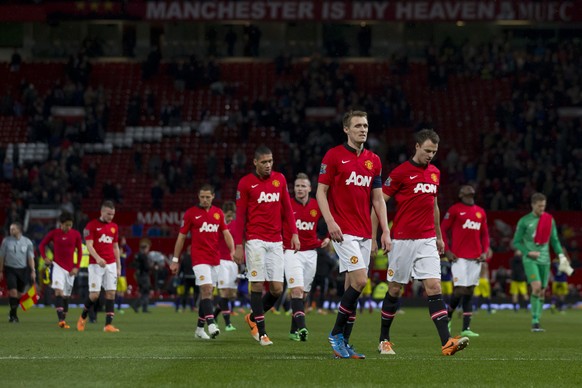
{"x": 532, "y": 147}
{"x": 529, "y": 147}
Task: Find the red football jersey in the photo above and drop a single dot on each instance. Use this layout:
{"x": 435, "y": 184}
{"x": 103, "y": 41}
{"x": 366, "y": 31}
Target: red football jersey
{"x": 306, "y": 218}
{"x": 262, "y": 206}
{"x": 469, "y": 235}
{"x": 104, "y": 235}
{"x": 204, "y": 227}
{"x": 414, "y": 188}
{"x": 223, "y": 250}
{"x": 351, "y": 179}
{"x": 64, "y": 245}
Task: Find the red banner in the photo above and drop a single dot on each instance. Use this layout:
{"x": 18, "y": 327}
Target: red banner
{"x": 299, "y": 10}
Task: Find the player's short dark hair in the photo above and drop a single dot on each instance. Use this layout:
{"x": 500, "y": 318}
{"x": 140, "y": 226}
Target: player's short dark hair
{"x": 206, "y": 187}
{"x": 537, "y": 197}
{"x": 228, "y": 206}
{"x": 17, "y": 224}
{"x": 353, "y": 113}
{"x": 426, "y": 134}
{"x": 108, "y": 204}
{"x": 262, "y": 150}
{"x": 65, "y": 217}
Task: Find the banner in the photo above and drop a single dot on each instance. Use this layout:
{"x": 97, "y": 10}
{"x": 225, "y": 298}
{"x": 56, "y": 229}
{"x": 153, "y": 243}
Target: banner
{"x": 299, "y": 10}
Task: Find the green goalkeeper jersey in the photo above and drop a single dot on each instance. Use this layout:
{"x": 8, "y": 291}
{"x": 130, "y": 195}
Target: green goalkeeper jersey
{"x": 524, "y": 239}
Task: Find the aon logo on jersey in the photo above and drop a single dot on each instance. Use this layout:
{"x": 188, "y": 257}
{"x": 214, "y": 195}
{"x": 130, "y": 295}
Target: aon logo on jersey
{"x": 302, "y": 225}
{"x": 105, "y": 239}
{"x": 206, "y": 227}
{"x": 472, "y": 225}
{"x": 426, "y": 188}
{"x": 268, "y": 197}
{"x": 358, "y": 180}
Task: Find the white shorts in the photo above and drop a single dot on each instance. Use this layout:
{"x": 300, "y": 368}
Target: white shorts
{"x": 205, "y": 274}
{"x": 227, "y": 273}
{"x": 300, "y": 268}
{"x": 62, "y": 280}
{"x": 417, "y": 259}
{"x": 466, "y": 272}
{"x": 106, "y": 277}
{"x": 353, "y": 253}
{"x": 265, "y": 261}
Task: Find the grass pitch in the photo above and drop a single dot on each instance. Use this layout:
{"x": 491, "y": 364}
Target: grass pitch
{"x": 159, "y": 349}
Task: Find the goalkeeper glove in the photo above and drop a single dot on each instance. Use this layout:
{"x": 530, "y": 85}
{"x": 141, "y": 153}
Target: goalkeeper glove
{"x": 564, "y": 265}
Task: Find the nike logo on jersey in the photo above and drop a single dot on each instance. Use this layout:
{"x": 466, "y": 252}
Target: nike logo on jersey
{"x": 253, "y": 186}
{"x": 412, "y": 177}
{"x": 197, "y": 217}
{"x": 345, "y": 161}
{"x": 463, "y": 213}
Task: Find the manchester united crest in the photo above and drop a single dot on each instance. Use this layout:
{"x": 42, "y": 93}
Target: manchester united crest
{"x": 291, "y": 280}
{"x": 276, "y": 183}
{"x": 112, "y": 230}
{"x": 354, "y": 259}
{"x": 434, "y": 177}
{"x": 201, "y": 277}
{"x": 369, "y": 164}
{"x": 254, "y": 273}
{"x": 390, "y": 272}
{"x": 313, "y": 213}
{"x": 478, "y": 215}
{"x": 216, "y": 216}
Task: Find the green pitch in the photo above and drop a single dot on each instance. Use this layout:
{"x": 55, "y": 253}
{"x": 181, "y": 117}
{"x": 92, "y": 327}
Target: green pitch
{"x": 159, "y": 349}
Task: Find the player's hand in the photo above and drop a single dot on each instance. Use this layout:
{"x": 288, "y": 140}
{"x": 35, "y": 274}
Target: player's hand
{"x": 48, "y": 262}
{"x": 386, "y": 242}
{"x": 74, "y": 271}
{"x": 374, "y": 249}
{"x": 33, "y": 276}
{"x": 238, "y": 255}
{"x": 295, "y": 244}
{"x": 102, "y": 263}
{"x": 482, "y": 258}
{"x": 533, "y": 255}
{"x": 118, "y": 272}
{"x": 174, "y": 268}
{"x": 451, "y": 256}
{"x": 440, "y": 246}
{"x": 324, "y": 242}
{"x": 335, "y": 233}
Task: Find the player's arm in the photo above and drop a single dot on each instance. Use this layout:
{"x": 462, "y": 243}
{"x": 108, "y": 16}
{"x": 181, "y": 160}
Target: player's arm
{"x": 518, "y": 236}
{"x": 290, "y": 219}
{"x": 379, "y": 206}
{"x": 554, "y": 240}
{"x": 437, "y": 227}
{"x": 335, "y": 231}
{"x": 241, "y": 220}
{"x": 117, "y": 254}
{"x": 42, "y": 247}
{"x": 178, "y": 247}
{"x": 94, "y": 254}
{"x": 31, "y": 263}
{"x": 229, "y": 242}
{"x": 485, "y": 242}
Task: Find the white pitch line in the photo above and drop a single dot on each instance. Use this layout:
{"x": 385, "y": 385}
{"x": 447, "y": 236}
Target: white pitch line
{"x": 270, "y": 357}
